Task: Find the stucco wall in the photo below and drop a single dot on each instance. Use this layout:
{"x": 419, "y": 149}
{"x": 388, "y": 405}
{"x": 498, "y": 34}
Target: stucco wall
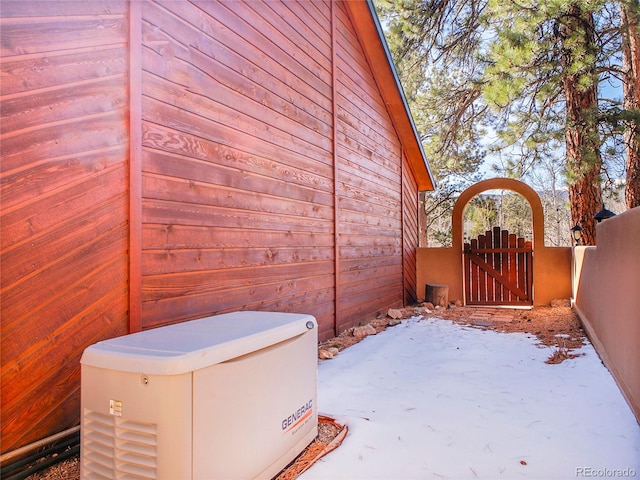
{"x": 607, "y": 300}
{"x": 551, "y": 272}
{"x": 440, "y": 265}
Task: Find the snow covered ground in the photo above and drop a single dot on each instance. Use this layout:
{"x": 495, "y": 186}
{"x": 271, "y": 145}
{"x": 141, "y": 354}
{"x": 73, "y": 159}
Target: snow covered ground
{"x": 430, "y": 399}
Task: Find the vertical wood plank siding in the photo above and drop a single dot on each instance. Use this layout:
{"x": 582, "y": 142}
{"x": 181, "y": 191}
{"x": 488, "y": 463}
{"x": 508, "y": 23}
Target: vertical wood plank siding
{"x": 259, "y": 173}
{"x": 63, "y": 193}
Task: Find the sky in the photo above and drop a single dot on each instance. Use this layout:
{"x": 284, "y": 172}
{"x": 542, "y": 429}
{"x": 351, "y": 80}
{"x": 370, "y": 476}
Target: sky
{"x": 431, "y": 399}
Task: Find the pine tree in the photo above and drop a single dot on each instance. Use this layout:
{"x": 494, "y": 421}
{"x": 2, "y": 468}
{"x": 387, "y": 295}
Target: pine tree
{"x": 537, "y": 64}
{"x": 434, "y": 46}
{"x": 630, "y": 31}
{"x": 576, "y": 33}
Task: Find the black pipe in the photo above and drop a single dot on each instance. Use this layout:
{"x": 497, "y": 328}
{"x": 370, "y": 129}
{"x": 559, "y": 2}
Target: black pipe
{"x": 28, "y": 466}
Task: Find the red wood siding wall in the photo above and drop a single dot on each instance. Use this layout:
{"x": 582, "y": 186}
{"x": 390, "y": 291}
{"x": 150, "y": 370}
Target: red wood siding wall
{"x": 237, "y": 161}
{"x": 238, "y": 166}
{"x": 64, "y": 203}
{"x": 368, "y": 185}
{"x": 410, "y": 237}
{"x": 271, "y": 178}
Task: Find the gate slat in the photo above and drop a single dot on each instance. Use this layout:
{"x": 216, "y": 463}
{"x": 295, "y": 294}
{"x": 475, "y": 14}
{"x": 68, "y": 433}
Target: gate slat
{"x": 498, "y": 264}
{"x": 522, "y": 275}
{"x": 490, "y": 260}
{"x": 504, "y": 241}
{"x": 474, "y": 275}
{"x": 513, "y": 272}
{"x": 530, "y": 271}
{"x": 467, "y": 276}
{"x": 482, "y": 276}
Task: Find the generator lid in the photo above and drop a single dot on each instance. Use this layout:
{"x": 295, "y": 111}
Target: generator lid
{"x": 189, "y": 346}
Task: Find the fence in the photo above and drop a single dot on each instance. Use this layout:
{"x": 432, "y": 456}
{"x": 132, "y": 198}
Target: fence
{"x": 607, "y": 279}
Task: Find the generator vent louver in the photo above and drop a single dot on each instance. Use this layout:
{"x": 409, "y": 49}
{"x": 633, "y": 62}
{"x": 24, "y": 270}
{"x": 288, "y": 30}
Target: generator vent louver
{"x": 118, "y": 448}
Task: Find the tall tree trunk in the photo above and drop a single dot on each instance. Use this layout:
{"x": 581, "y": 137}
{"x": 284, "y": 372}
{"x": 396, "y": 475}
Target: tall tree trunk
{"x": 631, "y": 89}
{"x": 582, "y": 139}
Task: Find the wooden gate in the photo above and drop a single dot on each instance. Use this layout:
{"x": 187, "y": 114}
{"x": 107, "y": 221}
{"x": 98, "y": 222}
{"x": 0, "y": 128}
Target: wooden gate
{"x": 498, "y": 269}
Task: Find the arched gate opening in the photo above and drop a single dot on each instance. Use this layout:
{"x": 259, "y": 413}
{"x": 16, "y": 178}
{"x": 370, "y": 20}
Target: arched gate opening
{"x": 497, "y": 266}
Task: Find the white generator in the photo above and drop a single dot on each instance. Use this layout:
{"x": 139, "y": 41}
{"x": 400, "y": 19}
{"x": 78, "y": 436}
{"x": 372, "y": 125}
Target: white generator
{"x": 226, "y": 397}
